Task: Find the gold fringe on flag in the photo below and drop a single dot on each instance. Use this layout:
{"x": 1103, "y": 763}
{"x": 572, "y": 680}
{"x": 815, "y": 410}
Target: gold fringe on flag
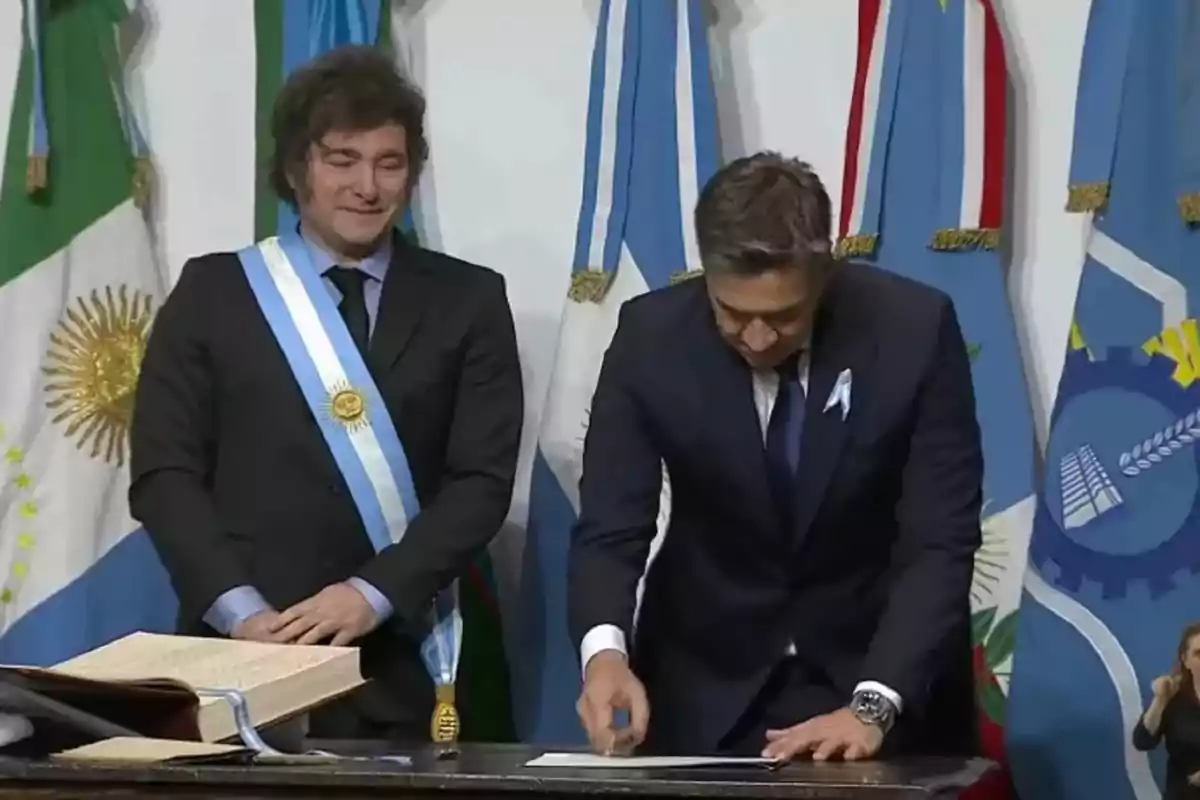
{"x": 37, "y": 174}
{"x": 860, "y": 244}
{"x": 966, "y": 239}
{"x": 143, "y": 181}
{"x": 685, "y": 275}
{"x": 1189, "y": 207}
{"x": 1083, "y": 197}
{"x": 590, "y": 285}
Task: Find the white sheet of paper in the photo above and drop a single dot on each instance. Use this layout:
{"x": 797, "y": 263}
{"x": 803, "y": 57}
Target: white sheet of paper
{"x": 591, "y": 760}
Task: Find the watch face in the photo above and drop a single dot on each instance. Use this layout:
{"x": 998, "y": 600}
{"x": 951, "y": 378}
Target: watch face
{"x": 871, "y": 705}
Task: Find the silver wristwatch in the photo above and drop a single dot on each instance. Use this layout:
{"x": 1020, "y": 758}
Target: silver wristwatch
{"x": 873, "y": 708}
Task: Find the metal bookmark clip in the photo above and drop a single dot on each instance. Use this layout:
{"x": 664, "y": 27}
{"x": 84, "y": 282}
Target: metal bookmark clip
{"x": 251, "y": 738}
{"x": 241, "y": 718}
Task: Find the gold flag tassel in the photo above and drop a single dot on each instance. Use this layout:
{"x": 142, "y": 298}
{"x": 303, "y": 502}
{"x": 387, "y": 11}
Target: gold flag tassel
{"x": 1189, "y": 207}
{"x": 37, "y": 173}
{"x": 143, "y": 181}
{"x": 966, "y": 239}
{"x": 445, "y": 725}
{"x": 860, "y": 244}
{"x": 1084, "y": 197}
{"x": 37, "y": 167}
{"x": 679, "y": 276}
{"x": 590, "y": 285}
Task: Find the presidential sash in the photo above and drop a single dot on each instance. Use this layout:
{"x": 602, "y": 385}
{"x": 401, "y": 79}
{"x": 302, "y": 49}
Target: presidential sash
{"x": 358, "y": 429}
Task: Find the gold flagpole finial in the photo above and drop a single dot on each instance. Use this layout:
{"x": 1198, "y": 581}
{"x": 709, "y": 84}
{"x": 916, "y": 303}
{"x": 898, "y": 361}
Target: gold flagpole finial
{"x": 445, "y": 725}
{"x": 143, "y": 181}
{"x": 37, "y": 173}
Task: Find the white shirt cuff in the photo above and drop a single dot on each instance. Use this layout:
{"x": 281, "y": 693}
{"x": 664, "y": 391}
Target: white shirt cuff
{"x": 599, "y": 638}
{"x": 875, "y": 686}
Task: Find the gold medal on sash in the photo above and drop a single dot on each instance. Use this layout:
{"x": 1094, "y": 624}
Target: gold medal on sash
{"x": 347, "y": 406}
{"x": 444, "y": 727}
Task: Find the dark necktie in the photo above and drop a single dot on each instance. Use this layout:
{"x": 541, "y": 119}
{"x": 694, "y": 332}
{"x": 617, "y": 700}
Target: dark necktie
{"x": 354, "y": 303}
{"x": 783, "y": 438}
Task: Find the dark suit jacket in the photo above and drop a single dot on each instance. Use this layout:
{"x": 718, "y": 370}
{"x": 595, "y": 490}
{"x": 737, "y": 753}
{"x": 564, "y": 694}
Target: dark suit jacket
{"x": 235, "y": 484}
{"x": 872, "y": 582}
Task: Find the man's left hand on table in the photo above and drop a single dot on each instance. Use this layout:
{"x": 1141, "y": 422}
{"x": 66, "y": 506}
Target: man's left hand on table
{"x": 338, "y": 614}
{"x": 833, "y": 735}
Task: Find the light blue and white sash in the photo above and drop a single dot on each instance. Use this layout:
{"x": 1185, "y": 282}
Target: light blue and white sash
{"x": 357, "y": 427}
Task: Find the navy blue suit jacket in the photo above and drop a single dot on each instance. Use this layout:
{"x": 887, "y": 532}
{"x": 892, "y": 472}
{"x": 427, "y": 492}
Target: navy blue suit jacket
{"x": 871, "y": 582}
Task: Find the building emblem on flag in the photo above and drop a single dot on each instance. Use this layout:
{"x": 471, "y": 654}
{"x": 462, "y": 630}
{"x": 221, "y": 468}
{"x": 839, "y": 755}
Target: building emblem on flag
{"x": 93, "y": 363}
{"x": 1119, "y": 505}
{"x": 1085, "y": 487}
{"x": 17, "y": 486}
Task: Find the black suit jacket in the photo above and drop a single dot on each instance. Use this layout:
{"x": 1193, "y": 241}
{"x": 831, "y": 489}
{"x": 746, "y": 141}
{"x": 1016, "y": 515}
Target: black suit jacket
{"x": 235, "y": 484}
{"x": 873, "y": 580}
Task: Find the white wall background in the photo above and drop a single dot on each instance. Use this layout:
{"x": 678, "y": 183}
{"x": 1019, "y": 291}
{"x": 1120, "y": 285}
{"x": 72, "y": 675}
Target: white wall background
{"x": 507, "y": 88}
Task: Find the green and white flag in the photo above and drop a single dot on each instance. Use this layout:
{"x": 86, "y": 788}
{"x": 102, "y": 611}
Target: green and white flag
{"x": 79, "y": 285}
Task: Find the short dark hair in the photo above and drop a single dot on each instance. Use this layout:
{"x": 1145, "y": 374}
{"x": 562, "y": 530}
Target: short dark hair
{"x": 350, "y": 88}
{"x": 763, "y": 212}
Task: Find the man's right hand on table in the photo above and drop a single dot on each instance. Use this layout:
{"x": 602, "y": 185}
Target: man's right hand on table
{"x": 609, "y": 685}
{"x": 265, "y": 626}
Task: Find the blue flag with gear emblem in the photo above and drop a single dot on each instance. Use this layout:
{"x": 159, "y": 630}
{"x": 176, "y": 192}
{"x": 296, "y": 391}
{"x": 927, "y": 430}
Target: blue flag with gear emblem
{"x": 1114, "y": 560}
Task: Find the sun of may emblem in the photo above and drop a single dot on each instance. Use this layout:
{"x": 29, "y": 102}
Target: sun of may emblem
{"x": 347, "y": 406}
{"x": 93, "y": 363}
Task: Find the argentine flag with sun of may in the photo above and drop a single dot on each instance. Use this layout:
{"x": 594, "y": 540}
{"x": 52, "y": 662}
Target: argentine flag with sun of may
{"x": 651, "y": 145}
{"x": 79, "y": 285}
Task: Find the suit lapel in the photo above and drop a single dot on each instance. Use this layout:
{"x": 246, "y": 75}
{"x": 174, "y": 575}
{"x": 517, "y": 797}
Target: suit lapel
{"x": 402, "y": 304}
{"x": 841, "y": 341}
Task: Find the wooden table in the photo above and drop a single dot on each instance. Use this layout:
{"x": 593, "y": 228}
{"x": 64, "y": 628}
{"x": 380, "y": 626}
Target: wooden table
{"x": 486, "y": 771}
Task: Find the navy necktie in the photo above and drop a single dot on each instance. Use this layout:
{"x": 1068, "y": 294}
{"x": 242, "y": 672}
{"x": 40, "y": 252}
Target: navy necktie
{"x": 783, "y": 438}
{"x": 354, "y": 303}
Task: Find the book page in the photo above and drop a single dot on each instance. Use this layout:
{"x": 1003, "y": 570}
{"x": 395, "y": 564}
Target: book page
{"x": 124, "y": 748}
{"x": 591, "y": 760}
{"x": 202, "y": 663}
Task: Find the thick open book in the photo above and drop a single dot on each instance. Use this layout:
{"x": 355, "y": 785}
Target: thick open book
{"x": 175, "y": 688}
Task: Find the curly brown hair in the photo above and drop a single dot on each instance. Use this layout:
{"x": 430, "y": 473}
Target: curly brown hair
{"x": 349, "y": 88}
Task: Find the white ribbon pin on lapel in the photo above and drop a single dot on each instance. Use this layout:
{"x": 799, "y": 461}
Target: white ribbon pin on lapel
{"x": 840, "y": 394}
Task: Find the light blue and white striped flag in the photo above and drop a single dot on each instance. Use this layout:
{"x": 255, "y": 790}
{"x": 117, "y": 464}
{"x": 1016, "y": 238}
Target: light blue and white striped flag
{"x": 651, "y": 146}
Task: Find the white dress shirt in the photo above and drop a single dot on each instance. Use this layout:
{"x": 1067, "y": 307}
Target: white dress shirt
{"x": 610, "y": 637}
